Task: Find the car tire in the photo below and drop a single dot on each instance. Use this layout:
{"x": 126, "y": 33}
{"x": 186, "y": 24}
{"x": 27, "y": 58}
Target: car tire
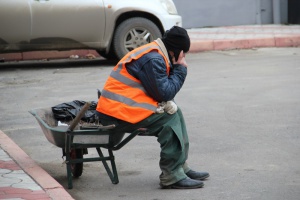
{"x": 131, "y": 33}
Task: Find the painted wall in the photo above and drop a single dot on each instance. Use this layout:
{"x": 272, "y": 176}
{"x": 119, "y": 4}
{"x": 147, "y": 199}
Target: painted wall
{"x": 206, "y": 13}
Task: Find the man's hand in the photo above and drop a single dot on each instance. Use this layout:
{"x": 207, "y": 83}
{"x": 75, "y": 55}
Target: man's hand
{"x": 181, "y": 59}
{"x": 161, "y": 107}
{"x": 170, "y": 107}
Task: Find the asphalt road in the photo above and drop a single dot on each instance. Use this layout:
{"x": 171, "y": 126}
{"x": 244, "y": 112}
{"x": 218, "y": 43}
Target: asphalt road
{"x": 242, "y": 111}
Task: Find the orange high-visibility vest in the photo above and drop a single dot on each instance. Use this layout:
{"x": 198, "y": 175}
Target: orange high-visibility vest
{"x": 123, "y": 96}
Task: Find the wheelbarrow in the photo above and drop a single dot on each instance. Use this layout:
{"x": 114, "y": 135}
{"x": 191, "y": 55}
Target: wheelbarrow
{"x": 75, "y": 141}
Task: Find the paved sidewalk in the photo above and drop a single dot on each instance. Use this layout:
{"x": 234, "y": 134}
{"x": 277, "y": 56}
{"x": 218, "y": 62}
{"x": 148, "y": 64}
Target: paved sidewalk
{"x": 22, "y": 178}
{"x": 244, "y": 37}
{"x": 202, "y": 39}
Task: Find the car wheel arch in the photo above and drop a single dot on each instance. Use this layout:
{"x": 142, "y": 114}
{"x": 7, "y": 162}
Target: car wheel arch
{"x": 149, "y": 16}
{"x": 109, "y": 51}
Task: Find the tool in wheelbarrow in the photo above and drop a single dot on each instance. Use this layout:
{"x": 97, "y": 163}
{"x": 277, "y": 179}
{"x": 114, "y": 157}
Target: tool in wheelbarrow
{"x": 76, "y": 139}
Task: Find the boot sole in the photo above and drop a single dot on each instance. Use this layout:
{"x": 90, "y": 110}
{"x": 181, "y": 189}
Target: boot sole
{"x": 181, "y": 187}
{"x": 200, "y": 179}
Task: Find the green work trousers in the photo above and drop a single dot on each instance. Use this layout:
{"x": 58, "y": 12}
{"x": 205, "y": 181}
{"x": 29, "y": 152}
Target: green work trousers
{"x": 171, "y": 133}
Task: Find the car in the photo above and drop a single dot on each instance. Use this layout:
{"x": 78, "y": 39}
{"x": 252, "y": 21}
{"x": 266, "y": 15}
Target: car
{"x": 111, "y": 27}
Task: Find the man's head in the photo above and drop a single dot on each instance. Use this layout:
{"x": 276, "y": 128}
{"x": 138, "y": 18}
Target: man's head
{"x": 176, "y": 40}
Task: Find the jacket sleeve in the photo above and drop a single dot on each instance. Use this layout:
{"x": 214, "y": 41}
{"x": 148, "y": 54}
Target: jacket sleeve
{"x": 154, "y": 78}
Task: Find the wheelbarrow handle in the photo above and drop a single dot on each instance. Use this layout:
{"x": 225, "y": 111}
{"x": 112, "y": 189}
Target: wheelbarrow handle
{"x": 79, "y": 116}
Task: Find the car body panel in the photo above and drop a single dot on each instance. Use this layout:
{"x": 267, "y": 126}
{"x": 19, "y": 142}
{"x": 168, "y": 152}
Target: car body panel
{"x": 49, "y": 19}
{"x": 15, "y": 28}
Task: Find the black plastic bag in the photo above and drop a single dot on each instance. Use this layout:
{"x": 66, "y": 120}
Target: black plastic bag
{"x": 68, "y": 111}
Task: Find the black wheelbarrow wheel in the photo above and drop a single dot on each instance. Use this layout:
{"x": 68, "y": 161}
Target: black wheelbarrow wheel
{"x": 76, "y": 168}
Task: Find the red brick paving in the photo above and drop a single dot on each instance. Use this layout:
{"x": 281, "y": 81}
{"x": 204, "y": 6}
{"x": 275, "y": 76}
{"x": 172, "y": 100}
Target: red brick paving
{"x": 22, "y": 178}
{"x": 10, "y": 192}
{"x": 9, "y": 165}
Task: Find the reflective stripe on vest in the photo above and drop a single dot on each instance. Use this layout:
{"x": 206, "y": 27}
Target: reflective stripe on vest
{"x": 127, "y": 101}
{"x": 123, "y": 96}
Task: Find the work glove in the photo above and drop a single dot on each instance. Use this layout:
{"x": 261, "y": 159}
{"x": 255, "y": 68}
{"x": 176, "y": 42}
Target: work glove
{"x": 170, "y": 107}
{"x": 160, "y": 107}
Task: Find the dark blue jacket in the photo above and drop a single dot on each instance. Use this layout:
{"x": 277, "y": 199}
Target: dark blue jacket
{"x": 150, "y": 69}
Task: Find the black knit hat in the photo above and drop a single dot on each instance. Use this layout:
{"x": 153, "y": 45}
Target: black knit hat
{"x": 176, "y": 39}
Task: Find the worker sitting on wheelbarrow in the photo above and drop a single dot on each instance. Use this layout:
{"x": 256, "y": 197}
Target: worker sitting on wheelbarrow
{"x": 139, "y": 93}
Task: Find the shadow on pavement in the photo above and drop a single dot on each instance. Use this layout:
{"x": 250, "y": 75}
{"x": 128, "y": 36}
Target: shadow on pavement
{"x": 7, "y": 66}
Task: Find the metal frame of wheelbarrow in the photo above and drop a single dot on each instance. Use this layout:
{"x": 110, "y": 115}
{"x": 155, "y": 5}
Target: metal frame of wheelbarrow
{"x": 115, "y": 142}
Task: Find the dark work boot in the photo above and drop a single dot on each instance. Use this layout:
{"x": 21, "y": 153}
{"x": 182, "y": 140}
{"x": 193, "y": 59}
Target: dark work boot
{"x": 197, "y": 175}
{"x": 186, "y": 183}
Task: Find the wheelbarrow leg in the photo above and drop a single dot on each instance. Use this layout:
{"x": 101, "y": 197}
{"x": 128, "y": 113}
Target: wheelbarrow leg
{"x": 69, "y": 174}
{"x": 114, "y": 168}
{"x": 68, "y": 161}
{"x": 113, "y": 175}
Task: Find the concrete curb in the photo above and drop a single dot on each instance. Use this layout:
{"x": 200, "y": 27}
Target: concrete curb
{"x": 41, "y": 177}
{"x": 196, "y": 46}
{"x": 211, "y": 45}
{"x": 47, "y": 55}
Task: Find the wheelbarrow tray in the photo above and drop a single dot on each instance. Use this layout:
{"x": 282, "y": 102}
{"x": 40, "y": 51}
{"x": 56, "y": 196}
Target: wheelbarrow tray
{"x": 55, "y": 134}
